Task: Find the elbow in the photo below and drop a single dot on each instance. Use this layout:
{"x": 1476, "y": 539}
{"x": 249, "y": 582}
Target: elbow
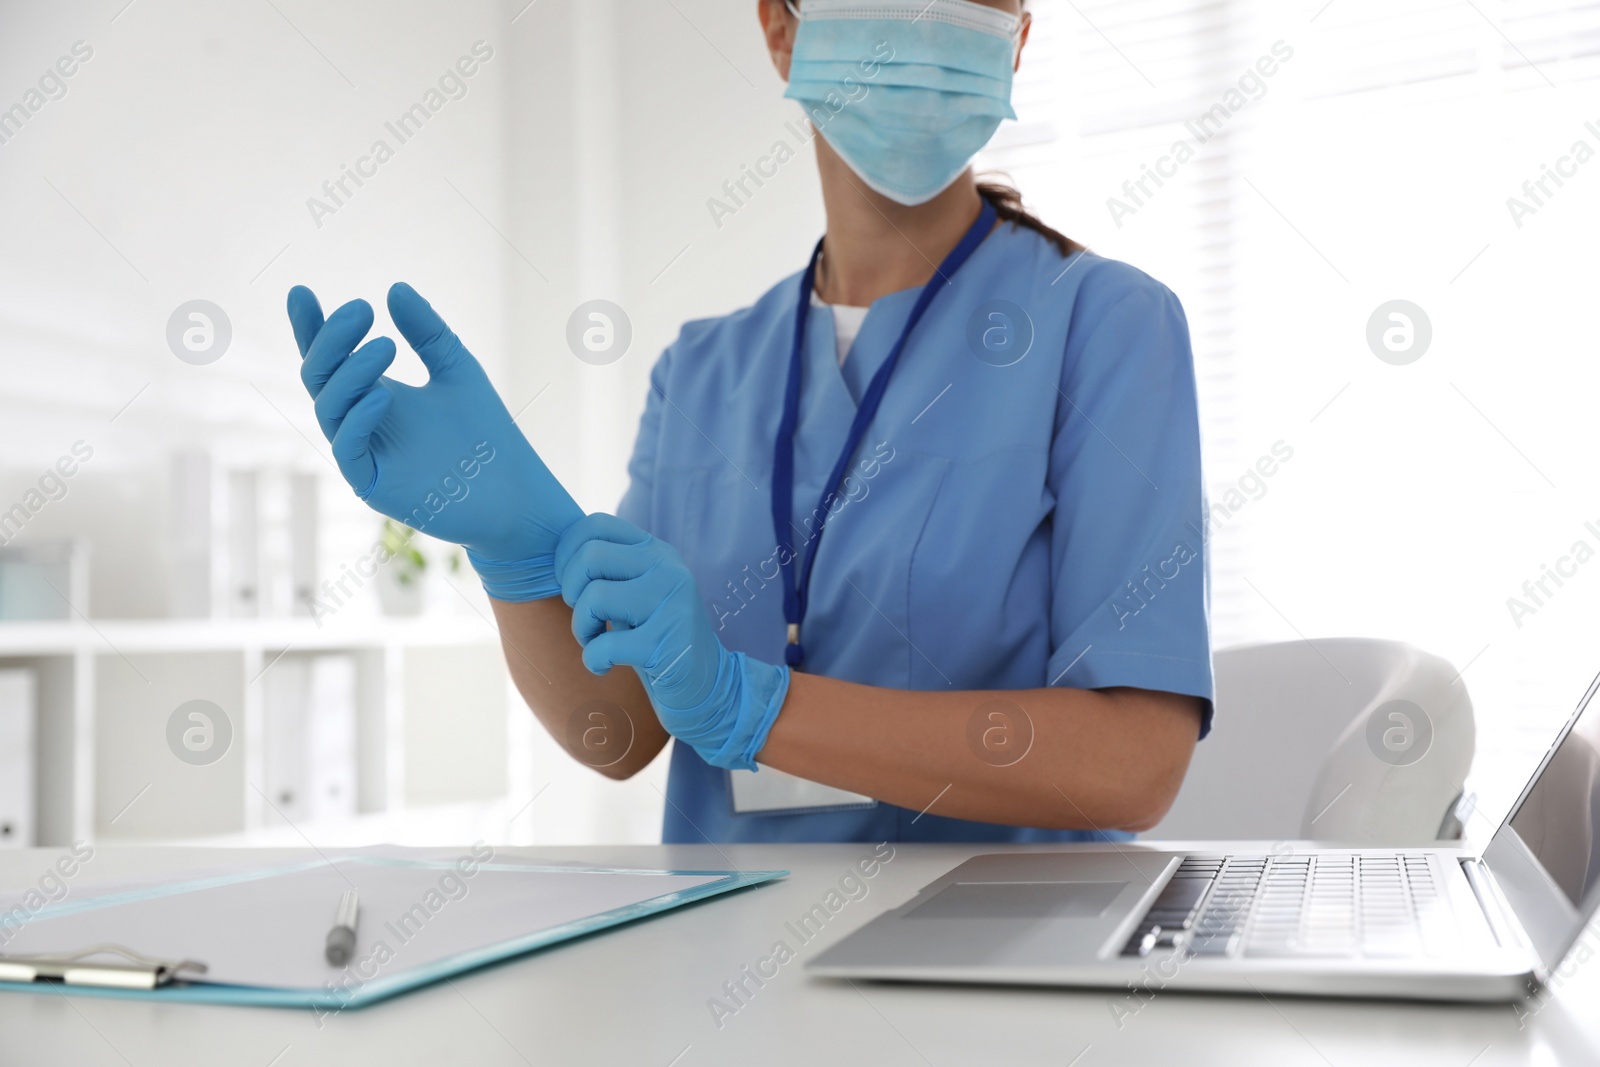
{"x": 1134, "y": 804}
{"x": 618, "y": 769}
{"x": 1135, "y": 800}
{"x": 1148, "y": 798}
{"x": 1135, "y": 808}
{"x": 613, "y": 739}
{"x": 618, "y": 772}
{"x": 1153, "y": 771}
{"x": 1145, "y": 814}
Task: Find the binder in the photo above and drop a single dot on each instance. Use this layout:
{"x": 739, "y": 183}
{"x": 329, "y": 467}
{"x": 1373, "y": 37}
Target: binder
{"x": 244, "y": 545}
{"x": 310, "y": 712}
{"x": 254, "y": 935}
{"x": 189, "y": 535}
{"x": 18, "y": 703}
{"x": 42, "y": 580}
{"x": 302, "y": 542}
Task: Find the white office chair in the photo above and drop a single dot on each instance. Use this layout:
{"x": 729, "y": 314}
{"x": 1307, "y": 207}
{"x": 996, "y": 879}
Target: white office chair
{"x": 1346, "y": 739}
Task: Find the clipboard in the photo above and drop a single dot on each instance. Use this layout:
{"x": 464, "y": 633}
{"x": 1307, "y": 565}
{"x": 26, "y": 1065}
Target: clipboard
{"x": 255, "y": 936}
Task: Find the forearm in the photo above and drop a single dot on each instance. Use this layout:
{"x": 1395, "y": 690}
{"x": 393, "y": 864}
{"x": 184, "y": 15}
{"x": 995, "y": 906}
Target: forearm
{"x": 1096, "y": 760}
{"x": 605, "y": 722}
{"x": 1080, "y": 759}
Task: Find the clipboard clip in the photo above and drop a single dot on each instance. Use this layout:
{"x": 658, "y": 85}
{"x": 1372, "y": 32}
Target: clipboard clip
{"x": 75, "y": 968}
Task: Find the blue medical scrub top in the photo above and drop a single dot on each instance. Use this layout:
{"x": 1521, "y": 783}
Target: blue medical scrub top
{"x": 1026, "y": 509}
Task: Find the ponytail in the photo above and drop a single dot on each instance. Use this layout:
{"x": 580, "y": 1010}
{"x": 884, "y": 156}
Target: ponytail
{"x": 1007, "y": 201}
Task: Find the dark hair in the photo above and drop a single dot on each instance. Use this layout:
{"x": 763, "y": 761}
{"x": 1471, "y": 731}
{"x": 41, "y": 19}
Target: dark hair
{"x": 1007, "y": 201}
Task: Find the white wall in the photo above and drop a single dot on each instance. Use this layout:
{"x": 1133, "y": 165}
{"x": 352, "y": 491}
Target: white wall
{"x": 659, "y": 105}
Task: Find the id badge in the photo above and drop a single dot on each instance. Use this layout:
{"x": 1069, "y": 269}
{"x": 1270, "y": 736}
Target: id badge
{"x": 771, "y": 792}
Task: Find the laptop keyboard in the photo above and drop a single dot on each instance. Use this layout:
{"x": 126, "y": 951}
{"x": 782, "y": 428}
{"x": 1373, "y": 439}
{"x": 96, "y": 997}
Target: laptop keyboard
{"x": 1320, "y": 905}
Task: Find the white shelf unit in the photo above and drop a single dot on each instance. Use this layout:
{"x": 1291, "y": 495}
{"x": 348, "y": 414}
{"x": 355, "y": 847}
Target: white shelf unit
{"x": 107, "y": 687}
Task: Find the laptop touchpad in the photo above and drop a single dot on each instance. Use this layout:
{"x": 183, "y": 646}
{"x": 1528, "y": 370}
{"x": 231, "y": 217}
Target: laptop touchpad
{"x": 1019, "y": 900}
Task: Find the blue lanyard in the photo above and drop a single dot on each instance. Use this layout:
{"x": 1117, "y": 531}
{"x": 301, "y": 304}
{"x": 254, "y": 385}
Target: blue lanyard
{"x": 797, "y": 569}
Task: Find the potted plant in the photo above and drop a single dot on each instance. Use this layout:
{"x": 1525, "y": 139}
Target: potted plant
{"x": 402, "y": 588}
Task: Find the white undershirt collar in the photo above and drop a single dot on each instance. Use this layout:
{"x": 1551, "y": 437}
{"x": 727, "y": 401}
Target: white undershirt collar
{"x": 846, "y": 324}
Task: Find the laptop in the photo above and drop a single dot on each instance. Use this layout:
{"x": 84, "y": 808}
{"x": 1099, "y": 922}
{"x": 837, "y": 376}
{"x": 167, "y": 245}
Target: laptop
{"x": 1425, "y": 923}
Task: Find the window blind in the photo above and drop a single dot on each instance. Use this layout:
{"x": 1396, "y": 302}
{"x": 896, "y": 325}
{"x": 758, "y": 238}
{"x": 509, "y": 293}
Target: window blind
{"x": 1345, "y": 176}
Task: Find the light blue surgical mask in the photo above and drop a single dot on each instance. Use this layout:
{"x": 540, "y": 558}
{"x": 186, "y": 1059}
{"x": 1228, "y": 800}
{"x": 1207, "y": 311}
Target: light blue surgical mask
{"x": 906, "y": 91}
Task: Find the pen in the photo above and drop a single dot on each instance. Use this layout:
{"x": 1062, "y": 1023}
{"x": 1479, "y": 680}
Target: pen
{"x": 342, "y": 938}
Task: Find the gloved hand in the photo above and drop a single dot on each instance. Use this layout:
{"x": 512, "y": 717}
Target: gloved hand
{"x": 723, "y": 703}
{"x": 444, "y": 458}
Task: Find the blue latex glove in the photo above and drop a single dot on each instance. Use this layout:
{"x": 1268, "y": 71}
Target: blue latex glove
{"x": 723, "y": 703}
{"x": 444, "y": 458}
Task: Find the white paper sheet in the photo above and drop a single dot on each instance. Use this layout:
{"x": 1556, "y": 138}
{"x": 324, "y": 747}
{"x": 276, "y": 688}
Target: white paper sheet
{"x": 270, "y": 931}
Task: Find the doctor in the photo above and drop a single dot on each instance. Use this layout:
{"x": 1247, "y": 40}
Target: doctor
{"x": 913, "y": 547}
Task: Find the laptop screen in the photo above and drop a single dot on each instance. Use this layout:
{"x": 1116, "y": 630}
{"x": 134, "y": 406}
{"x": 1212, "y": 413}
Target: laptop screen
{"x": 1546, "y": 856}
{"x": 1559, "y": 819}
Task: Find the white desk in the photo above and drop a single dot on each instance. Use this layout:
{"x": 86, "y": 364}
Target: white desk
{"x": 638, "y": 996}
